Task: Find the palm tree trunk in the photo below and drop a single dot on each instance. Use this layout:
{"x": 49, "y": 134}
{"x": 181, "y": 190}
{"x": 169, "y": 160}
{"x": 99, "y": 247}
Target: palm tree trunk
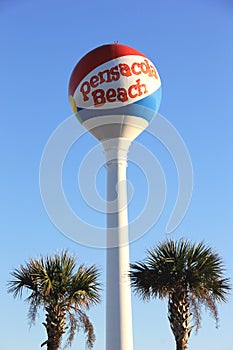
{"x": 181, "y": 345}
{"x": 179, "y": 317}
{"x": 55, "y": 327}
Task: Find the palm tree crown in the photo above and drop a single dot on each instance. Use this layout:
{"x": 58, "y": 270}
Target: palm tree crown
{"x": 188, "y": 276}
{"x": 63, "y": 291}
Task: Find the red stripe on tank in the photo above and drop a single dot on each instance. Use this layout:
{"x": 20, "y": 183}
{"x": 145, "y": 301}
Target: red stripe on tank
{"x": 95, "y": 58}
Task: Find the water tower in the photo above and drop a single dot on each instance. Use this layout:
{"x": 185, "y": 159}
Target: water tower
{"x": 115, "y": 92}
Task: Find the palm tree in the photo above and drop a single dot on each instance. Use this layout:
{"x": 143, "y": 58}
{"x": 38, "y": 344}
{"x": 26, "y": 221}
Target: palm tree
{"x": 186, "y": 275}
{"x": 63, "y": 291}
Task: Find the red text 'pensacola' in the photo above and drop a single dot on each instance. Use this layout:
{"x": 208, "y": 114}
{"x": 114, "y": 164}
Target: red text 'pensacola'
{"x": 90, "y": 89}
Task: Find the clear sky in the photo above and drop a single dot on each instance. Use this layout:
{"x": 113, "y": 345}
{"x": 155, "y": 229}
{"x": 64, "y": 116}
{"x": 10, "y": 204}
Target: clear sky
{"x": 190, "y": 43}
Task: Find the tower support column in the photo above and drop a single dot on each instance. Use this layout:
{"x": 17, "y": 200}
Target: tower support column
{"x": 119, "y": 334}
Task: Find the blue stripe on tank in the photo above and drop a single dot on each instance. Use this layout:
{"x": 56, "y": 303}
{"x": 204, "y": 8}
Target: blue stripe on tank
{"x": 152, "y": 101}
{"x": 145, "y": 108}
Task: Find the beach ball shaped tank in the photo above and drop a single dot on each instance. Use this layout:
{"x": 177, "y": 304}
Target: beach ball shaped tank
{"x": 115, "y": 91}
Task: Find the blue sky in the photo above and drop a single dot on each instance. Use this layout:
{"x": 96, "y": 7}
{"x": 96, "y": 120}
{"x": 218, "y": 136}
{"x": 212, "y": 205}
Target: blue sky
{"x": 190, "y": 43}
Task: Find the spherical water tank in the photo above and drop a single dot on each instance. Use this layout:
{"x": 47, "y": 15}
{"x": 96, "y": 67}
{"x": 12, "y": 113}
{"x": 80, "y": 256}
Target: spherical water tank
{"x": 115, "y": 91}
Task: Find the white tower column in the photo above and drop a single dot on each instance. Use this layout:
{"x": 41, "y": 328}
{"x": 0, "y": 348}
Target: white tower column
{"x": 119, "y": 335}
